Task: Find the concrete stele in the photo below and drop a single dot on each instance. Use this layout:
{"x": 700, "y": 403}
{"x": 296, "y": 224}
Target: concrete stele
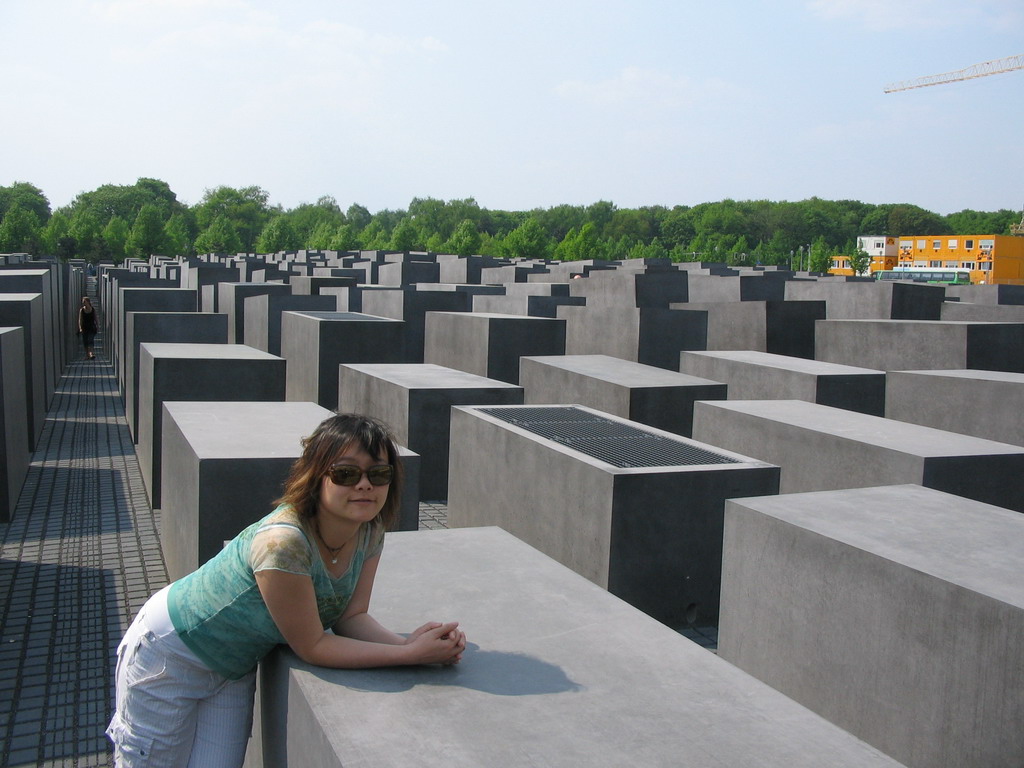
{"x": 897, "y": 612}
{"x": 822, "y": 448}
{"x": 557, "y": 673}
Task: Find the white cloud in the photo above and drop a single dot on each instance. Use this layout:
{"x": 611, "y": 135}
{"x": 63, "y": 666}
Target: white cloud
{"x": 226, "y": 57}
{"x": 886, "y": 15}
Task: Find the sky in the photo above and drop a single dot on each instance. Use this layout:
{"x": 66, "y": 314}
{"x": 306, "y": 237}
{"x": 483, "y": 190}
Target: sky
{"x": 519, "y": 105}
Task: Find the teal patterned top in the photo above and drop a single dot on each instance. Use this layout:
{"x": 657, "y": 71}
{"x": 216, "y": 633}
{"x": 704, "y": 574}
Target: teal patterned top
{"x": 218, "y": 610}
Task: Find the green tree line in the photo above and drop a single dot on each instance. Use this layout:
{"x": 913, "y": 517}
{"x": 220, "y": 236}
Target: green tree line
{"x": 114, "y": 222}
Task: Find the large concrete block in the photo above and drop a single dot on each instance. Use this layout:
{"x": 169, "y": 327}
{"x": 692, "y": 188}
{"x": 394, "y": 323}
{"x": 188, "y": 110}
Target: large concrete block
{"x": 224, "y": 465}
{"x": 111, "y": 290}
{"x": 19, "y": 282}
{"x": 643, "y": 393}
{"x": 472, "y": 290}
{"x": 822, "y": 448}
{"x": 408, "y": 273}
{"x": 988, "y": 404}
{"x": 139, "y": 299}
{"x": 263, "y": 317}
{"x": 896, "y": 612}
{"x": 130, "y": 294}
{"x": 196, "y": 372}
{"x": 558, "y": 673}
{"x": 350, "y": 299}
{"x": 416, "y": 400}
{"x": 899, "y": 345}
{"x": 870, "y": 300}
{"x": 728, "y": 289}
{"x": 465, "y": 269}
{"x": 763, "y": 376}
{"x": 531, "y": 305}
{"x": 14, "y": 415}
{"x": 231, "y": 302}
{"x": 778, "y": 327}
{"x": 250, "y": 266}
{"x": 412, "y": 306}
{"x": 988, "y": 313}
{"x": 636, "y": 510}
{"x": 311, "y": 285}
{"x": 26, "y": 310}
{"x": 316, "y": 343}
{"x": 360, "y": 275}
{"x": 987, "y": 294}
{"x": 511, "y": 273}
{"x": 651, "y": 336}
{"x": 167, "y": 328}
{"x": 625, "y": 287}
{"x": 489, "y": 345}
{"x": 203, "y": 278}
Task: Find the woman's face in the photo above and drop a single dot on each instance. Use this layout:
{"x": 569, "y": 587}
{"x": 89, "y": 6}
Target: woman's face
{"x": 359, "y": 503}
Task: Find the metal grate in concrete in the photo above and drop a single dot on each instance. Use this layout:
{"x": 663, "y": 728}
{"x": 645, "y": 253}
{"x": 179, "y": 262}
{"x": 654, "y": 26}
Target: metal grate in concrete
{"x": 613, "y": 442}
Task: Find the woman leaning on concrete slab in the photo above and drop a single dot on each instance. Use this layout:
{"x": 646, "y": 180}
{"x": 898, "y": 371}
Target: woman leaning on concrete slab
{"x": 186, "y": 666}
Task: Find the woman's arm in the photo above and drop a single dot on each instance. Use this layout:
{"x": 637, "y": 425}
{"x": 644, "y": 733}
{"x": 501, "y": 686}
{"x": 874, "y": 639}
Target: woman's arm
{"x": 291, "y": 600}
{"x": 357, "y": 623}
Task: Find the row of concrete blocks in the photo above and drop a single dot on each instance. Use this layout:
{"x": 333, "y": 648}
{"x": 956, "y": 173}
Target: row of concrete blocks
{"x": 519, "y": 476}
{"x": 416, "y": 397}
{"x": 38, "y": 320}
{"x": 646, "y": 283}
{"x": 499, "y": 347}
{"x": 844, "y": 642}
{"x": 880, "y": 597}
{"x": 316, "y": 340}
{"x": 659, "y": 537}
{"x": 895, "y": 612}
{"x": 635, "y": 517}
{"x": 634, "y": 282}
{"x": 652, "y": 535}
{"x": 650, "y": 335}
{"x": 649, "y": 331}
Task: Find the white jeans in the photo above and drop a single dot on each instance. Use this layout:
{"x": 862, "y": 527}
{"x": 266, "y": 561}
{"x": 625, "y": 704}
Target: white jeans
{"x": 172, "y": 710}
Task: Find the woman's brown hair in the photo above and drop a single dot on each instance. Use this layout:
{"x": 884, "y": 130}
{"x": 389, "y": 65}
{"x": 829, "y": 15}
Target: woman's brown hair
{"x": 320, "y": 450}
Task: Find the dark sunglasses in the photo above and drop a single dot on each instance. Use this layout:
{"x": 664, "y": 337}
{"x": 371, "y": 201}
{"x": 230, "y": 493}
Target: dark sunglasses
{"x": 348, "y": 474}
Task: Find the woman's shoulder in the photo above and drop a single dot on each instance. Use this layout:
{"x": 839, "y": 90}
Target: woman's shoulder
{"x": 285, "y": 519}
{"x": 281, "y": 542}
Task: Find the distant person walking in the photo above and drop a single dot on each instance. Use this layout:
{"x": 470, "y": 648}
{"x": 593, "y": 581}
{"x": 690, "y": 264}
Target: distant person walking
{"x": 87, "y": 326}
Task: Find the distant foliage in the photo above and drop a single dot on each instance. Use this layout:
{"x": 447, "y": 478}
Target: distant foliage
{"x": 117, "y": 222}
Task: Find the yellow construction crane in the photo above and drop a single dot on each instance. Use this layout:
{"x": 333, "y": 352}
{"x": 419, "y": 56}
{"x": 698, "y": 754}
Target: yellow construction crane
{"x": 984, "y": 69}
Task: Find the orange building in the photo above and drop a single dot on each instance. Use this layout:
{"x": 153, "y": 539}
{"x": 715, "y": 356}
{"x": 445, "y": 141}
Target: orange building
{"x": 990, "y": 258}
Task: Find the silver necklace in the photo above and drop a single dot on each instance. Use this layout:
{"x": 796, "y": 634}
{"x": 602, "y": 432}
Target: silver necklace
{"x": 333, "y": 550}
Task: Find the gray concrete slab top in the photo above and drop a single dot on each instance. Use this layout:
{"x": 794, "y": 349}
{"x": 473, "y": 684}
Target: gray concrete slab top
{"x": 557, "y": 673}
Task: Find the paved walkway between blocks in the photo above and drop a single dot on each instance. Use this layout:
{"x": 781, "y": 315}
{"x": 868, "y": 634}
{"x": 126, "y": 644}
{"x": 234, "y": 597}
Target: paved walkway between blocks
{"x": 78, "y": 558}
